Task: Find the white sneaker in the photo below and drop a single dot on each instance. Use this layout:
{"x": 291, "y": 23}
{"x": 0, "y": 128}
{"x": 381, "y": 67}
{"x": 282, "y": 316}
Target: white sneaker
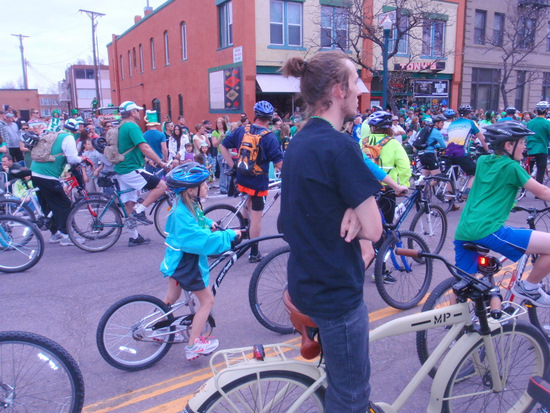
{"x": 55, "y": 238}
{"x": 538, "y": 296}
{"x": 67, "y": 242}
{"x": 202, "y": 347}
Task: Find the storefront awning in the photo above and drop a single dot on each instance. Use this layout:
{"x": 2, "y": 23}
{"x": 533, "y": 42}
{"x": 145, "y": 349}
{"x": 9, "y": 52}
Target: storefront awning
{"x": 281, "y": 84}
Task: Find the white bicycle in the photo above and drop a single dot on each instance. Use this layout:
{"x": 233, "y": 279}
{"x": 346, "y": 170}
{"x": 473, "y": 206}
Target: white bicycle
{"x": 486, "y": 361}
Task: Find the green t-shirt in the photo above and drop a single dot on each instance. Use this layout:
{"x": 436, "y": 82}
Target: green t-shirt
{"x": 130, "y": 135}
{"x": 538, "y": 143}
{"x": 496, "y": 184}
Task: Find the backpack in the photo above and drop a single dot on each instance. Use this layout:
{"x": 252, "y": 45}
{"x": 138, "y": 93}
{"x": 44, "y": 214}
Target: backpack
{"x": 249, "y": 152}
{"x": 373, "y": 151}
{"x": 421, "y": 141}
{"x": 42, "y": 151}
{"x": 111, "y": 150}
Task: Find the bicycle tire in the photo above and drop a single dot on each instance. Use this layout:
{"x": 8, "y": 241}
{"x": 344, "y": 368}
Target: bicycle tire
{"x": 161, "y": 212}
{"x": 542, "y": 222}
{"x": 521, "y": 349}
{"x": 409, "y": 287}
{"x": 432, "y": 227}
{"x": 443, "y": 192}
{"x": 540, "y": 316}
{"x": 121, "y": 330}
{"x": 225, "y": 216}
{"x": 265, "y": 291}
{"x": 244, "y": 393}
{"x": 94, "y": 225}
{"x": 43, "y": 376}
{"x": 21, "y": 244}
{"x": 91, "y": 195}
{"x": 14, "y": 208}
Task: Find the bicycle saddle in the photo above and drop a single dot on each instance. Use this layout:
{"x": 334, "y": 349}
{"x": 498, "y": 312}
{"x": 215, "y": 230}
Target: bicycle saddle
{"x": 470, "y": 246}
{"x": 20, "y": 172}
{"x": 304, "y": 325}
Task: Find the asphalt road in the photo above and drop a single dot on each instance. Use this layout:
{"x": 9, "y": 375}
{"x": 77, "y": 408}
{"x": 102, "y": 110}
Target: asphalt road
{"x": 66, "y": 293}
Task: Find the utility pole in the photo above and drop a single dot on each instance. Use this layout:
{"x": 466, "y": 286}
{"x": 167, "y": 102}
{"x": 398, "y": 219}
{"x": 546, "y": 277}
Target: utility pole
{"x": 23, "y": 63}
{"x": 93, "y": 16}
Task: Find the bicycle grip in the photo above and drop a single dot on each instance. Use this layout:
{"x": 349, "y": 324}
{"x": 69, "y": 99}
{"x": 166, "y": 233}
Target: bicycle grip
{"x": 495, "y": 306}
{"x": 407, "y": 252}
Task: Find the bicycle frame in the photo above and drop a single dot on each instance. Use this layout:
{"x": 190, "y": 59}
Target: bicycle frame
{"x": 243, "y": 201}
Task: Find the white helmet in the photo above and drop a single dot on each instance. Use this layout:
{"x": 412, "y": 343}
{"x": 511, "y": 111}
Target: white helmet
{"x": 128, "y": 106}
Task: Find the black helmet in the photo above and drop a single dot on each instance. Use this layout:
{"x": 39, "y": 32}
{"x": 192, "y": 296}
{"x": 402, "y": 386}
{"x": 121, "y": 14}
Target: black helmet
{"x": 542, "y": 106}
{"x": 509, "y": 130}
{"x": 30, "y": 139}
{"x": 99, "y": 144}
{"x": 465, "y": 109}
{"x": 380, "y": 119}
{"x": 510, "y": 110}
{"x": 439, "y": 118}
{"x": 189, "y": 175}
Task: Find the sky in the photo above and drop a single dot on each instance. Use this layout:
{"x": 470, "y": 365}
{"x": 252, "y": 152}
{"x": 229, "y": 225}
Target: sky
{"x": 59, "y": 35}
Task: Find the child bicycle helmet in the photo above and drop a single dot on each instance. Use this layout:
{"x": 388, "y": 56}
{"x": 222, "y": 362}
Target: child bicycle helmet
{"x": 449, "y": 113}
{"x": 189, "y": 175}
{"x": 264, "y": 109}
{"x": 99, "y": 144}
{"x": 499, "y": 133}
{"x": 380, "y": 119}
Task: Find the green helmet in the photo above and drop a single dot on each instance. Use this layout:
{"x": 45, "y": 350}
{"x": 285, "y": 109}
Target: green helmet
{"x": 74, "y": 111}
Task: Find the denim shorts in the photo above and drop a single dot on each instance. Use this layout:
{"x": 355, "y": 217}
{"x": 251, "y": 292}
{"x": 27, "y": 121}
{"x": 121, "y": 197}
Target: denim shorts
{"x": 508, "y": 241}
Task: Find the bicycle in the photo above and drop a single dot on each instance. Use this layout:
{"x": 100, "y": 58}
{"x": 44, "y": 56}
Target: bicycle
{"x": 38, "y": 375}
{"x": 137, "y": 331}
{"x": 539, "y": 390}
{"x": 442, "y": 295}
{"x": 269, "y": 279}
{"x": 528, "y": 163}
{"x": 21, "y": 244}
{"x": 450, "y": 186}
{"x": 487, "y": 368}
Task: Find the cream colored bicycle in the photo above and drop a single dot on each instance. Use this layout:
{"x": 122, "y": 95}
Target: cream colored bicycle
{"x": 487, "y": 369}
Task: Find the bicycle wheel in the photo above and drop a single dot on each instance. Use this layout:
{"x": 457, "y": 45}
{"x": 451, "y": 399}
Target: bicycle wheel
{"x": 432, "y": 226}
{"x": 267, "y": 391}
{"x": 38, "y": 375}
{"x": 161, "y": 212}
{"x": 442, "y": 192}
{"x": 94, "y": 225}
{"x": 14, "y": 207}
{"x": 521, "y": 352}
{"x": 542, "y": 222}
{"x": 265, "y": 292}
{"x": 21, "y": 244}
{"x": 124, "y": 337}
{"x": 540, "y": 316}
{"x": 226, "y": 216}
{"x": 402, "y": 281}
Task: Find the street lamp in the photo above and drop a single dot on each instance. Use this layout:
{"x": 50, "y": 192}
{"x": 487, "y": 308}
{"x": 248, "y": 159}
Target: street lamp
{"x": 386, "y": 25}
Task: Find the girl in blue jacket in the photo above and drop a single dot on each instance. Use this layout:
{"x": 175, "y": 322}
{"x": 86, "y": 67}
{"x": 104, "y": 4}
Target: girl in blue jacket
{"x": 190, "y": 239}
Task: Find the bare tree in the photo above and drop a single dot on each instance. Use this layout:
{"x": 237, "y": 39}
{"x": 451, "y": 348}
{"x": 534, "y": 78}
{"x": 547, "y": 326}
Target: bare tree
{"x": 351, "y": 28}
{"x": 523, "y": 33}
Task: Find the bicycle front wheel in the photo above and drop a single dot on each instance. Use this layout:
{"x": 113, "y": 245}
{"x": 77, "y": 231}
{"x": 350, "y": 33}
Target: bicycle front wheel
{"x": 226, "y": 216}
{"x": 94, "y": 225}
{"x": 521, "y": 352}
{"x": 161, "y": 212}
{"x": 432, "y": 226}
{"x": 267, "y": 391}
{"x": 38, "y": 375}
{"x": 126, "y": 335}
{"x": 442, "y": 192}
{"x": 15, "y": 208}
{"x": 402, "y": 281}
{"x": 265, "y": 292}
{"x": 21, "y": 244}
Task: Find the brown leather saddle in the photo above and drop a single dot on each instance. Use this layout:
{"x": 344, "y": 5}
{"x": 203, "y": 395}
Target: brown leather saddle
{"x": 304, "y": 325}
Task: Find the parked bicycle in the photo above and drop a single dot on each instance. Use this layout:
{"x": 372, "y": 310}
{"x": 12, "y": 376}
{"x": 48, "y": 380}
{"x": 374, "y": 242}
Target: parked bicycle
{"x": 486, "y": 369}
{"x": 21, "y": 244}
{"x": 137, "y": 331}
{"x": 38, "y": 375}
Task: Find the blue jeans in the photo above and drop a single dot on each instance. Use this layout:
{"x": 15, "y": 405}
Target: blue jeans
{"x": 224, "y": 179}
{"x": 345, "y": 342}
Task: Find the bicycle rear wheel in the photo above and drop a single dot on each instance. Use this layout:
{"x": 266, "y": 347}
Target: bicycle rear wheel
{"x": 226, "y": 216}
{"x": 124, "y": 337}
{"x": 265, "y": 292}
{"x": 432, "y": 226}
{"x": 161, "y": 212}
{"x": 521, "y": 352}
{"x": 21, "y": 244}
{"x": 402, "y": 281}
{"x": 267, "y": 391}
{"x": 38, "y": 375}
{"x": 442, "y": 192}
{"x": 94, "y": 225}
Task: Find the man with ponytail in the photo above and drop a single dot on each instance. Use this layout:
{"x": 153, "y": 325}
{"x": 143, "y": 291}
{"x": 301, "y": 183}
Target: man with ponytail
{"x": 328, "y": 206}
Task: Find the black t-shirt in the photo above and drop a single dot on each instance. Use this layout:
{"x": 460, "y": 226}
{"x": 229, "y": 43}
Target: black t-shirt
{"x": 324, "y": 174}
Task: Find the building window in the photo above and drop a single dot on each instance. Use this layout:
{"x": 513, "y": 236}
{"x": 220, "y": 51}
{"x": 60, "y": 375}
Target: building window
{"x": 520, "y": 90}
{"x": 152, "y": 42}
{"x": 134, "y": 59}
{"x": 479, "y": 26}
{"x": 183, "y": 31}
{"x": 156, "y": 106}
{"x": 548, "y": 38}
{"x": 84, "y": 74}
{"x": 334, "y": 27}
{"x": 546, "y": 86}
{"x": 485, "y": 88}
{"x": 45, "y": 102}
{"x": 433, "y": 38}
{"x": 225, "y": 13}
{"x": 400, "y": 33}
{"x": 180, "y": 104}
{"x": 166, "y": 49}
{"x": 45, "y": 112}
{"x": 129, "y": 63}
{"x": 286, "y": 23}
{"x": 141, "y": 58}
{"x": 121, "y": 67}
{"x": 498, "y": 29}
{"x": 526, "y": 33}
{"x": 169, "y": 106}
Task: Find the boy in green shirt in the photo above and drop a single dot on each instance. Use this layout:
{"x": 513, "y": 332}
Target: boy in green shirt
{"x": 497, "y": 180}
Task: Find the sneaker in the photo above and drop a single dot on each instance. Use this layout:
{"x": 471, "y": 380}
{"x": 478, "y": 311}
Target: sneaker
{"x": 67, "y": 242}
{"x": 201, "y": 347}
{"x": 55, "y": 238}
{"x": 138, "y": 241}
{"x": 141, "y": 218}
{"x": 455, "y": 207}
{"x": 255, "y": 258}
{"x": 388, "y": 279}
{"x": 538, "y": 296}
{"x": 160, "y": 336}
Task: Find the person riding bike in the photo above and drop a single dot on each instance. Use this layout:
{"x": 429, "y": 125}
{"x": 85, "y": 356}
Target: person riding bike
{"x": 537, "y": 144}
{"x": 497, "y": 180}
{"x": 510, "y": 113}
{"x": 428, "y": 158}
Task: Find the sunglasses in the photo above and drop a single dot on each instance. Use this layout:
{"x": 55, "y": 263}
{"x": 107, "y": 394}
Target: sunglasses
{"x": 35, "y": 113}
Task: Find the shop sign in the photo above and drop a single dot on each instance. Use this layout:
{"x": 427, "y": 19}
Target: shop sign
{"x": 419, "y": 66}
{"x": 431, "y": 88}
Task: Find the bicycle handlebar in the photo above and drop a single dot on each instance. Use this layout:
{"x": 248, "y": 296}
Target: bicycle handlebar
{"x": 530, "y": 210}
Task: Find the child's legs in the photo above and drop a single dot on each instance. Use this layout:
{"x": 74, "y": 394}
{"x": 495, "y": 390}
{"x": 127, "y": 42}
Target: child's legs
{"x": 174, "y": 292}
{"x": 539, "y": 243}
{"x": 206, "y": 300}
